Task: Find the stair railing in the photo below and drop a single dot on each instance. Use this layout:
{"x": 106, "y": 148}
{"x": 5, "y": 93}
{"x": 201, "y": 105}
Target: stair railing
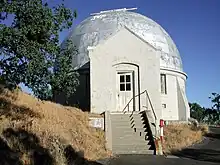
{"x": 148, "y": 98}
{"x": 151, "y": 105}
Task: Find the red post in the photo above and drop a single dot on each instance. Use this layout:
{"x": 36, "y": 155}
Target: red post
{"x": 161, "y": 130}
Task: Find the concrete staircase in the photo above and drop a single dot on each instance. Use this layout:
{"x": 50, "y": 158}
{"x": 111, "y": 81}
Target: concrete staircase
{"x": 131, "y": 134}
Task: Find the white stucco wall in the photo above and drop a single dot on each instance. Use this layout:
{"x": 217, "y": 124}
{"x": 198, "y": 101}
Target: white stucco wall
{"x": 175, "y": 99}
{"x": 183, "y": 105}
{"x": 170, "y": 99}
{"x": 123, "y": 47}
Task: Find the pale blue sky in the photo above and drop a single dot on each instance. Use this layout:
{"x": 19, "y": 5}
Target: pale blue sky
{"x": 194, "y": 26}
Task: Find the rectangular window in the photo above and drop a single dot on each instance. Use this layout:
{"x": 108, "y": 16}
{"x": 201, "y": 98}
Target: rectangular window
{"x": 125, "y": 82}
{"x": 163, "y": 83}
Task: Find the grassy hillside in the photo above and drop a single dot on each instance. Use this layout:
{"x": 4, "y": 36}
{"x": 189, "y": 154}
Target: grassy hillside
{"x": 34, "y": 131}
{"x": 40, "y": 132}
{"x": 180, "y": 136}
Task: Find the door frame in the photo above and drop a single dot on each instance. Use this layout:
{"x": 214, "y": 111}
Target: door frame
{"x": 132, "y": 73}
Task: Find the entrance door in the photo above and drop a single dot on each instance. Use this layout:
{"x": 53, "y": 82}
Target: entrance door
{"x": 125, "y": 90}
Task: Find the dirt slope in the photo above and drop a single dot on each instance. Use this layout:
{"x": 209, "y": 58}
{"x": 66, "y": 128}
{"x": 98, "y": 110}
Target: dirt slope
{"x": 52, "y": 126}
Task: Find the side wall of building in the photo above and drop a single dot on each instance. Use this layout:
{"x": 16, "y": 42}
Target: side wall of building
{"x": 183, "y": 105}
{"x": 174, "y": 102}
{"x": 169, "y": 100}
{"x": 128, "y": 51}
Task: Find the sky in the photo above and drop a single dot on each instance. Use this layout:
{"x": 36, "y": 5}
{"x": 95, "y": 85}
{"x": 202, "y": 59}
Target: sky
{"x": 194, "y": 25}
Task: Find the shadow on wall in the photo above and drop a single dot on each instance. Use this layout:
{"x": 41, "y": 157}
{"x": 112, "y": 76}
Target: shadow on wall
{"x": 15, "y": 144}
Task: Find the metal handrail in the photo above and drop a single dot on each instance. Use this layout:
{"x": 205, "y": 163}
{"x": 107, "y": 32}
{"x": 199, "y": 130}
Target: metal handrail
{"x": 145, "y": 91}
{"x": 131, "y": 100}
{"x": 155, "y": 116}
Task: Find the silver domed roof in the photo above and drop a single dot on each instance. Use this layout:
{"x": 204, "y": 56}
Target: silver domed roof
{"x": 101, "y": 26}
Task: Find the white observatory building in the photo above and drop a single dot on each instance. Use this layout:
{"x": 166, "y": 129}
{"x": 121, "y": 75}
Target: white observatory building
{"x": 127, "y": 62}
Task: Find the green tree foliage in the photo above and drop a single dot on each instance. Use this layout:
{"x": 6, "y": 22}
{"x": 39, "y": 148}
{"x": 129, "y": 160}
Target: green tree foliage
{"x": 208, "y": 115}
{"x": 215, "y": 113}
{"x": 29, "y": 46}
{"x": 64, "y": 77}
{"x": 196, "y": 111}
{"x": 215, "y": 99}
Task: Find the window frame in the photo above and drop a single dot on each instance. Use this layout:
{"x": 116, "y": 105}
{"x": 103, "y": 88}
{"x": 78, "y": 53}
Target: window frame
{"x": 125, "y": 82}
{"x": 162, "y": 75}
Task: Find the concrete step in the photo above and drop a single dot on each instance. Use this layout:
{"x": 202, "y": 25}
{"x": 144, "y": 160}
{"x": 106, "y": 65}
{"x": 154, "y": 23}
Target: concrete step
{"x": 130, "y": 135}
{"x": 126, "y": 139}
{"x": 144, "y": 152}
{"x": 126, "y": 118}
{"x": 129, "y": 141}
{"x": 125, "y": 115}
{"x": 131, "y": 138}
{"x": 143, "y": 137}
{"x": 127, "y": 123}
{"x": 127, "y": 129}
{"x": 122, "y": 133}
{"x": 138, "y": 145}
{"x": 118, "y": 142}
{"x": 121, "y": 120}
{"x": 124, "y": 121}
{"x": 130, "y": 113}
{"x": 136, "y": 135}
{"x": 131, "y": 147}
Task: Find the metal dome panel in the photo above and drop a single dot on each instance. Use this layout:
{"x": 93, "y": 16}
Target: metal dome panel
{"x": 101, "y": 26}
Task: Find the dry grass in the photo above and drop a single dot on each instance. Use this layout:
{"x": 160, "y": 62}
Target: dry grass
{"x": 56, "y": 126}
{"x": 179, "y": 136}
{"x": 95, "y": 115}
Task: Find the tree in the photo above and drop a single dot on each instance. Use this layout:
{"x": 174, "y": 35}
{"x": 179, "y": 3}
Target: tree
{"x": 215, "y": 113}
{"x": 64, "y": 77}
{"x": 215, "y": 99}
{"x": 29, "y": 46}
{"x": 196, "y": 111}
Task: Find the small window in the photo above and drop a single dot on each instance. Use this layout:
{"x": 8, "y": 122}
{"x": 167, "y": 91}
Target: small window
{"x": 125, "y": 82}
{"x": 128, "y": 78}
{"x": 122, "y": 87}
{"x": 122, "y": 78}
{"x": 163, "y": 84}
{"x": 128, "y": 87}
